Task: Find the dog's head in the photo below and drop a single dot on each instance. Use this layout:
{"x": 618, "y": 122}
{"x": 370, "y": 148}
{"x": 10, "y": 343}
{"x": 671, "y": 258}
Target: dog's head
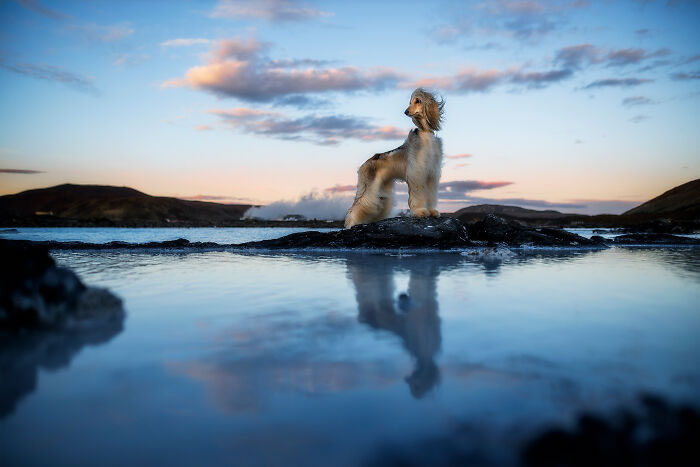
{"x": 425, "y": 110}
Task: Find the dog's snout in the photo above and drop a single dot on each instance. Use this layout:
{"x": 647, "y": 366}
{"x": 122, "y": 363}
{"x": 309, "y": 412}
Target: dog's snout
{"x": 405, "y": 112}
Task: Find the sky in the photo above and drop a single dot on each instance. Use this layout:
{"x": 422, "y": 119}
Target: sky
{"x": 573, "y": 105}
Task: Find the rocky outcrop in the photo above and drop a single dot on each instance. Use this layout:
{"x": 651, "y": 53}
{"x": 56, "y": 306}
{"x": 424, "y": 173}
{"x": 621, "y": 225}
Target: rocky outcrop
{"x": 397, "y": 232}
{"x": 443, "y": 233}
{"x": 654, "y": 239}
{"x": 36, "y": 293}
{"x": 47, "y": 315}
{"x": 494, "y": 229}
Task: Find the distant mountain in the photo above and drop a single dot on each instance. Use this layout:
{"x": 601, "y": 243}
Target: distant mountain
{"x": 85, "y": 205}
{"x": 513, "y": 212}
{"x": 681, "y": 205}
{"x": 681, "y": 202}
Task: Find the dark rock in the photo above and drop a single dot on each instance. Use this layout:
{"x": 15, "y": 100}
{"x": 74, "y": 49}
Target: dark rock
{"x": 494, "y": 229}
{"x": 667, "y": 226}
{"x": 397, "y": 232}
{"x": 35, "y": 293}
{"x": 658, "y": 434}
{"x": 179, "y": 244}
{"x": 47, "y": 315}
{"x": 654, "y": 239}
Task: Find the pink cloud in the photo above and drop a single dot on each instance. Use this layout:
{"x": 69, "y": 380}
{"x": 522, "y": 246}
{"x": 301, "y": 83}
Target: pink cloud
{"x": 341, "y": 189}
{"x": 458, "y": 156}
{"x": 235, "y": 68}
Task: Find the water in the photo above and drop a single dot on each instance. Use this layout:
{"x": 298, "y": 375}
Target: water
{"x": 238, "y": 359}
{"x": 222, "y": 235}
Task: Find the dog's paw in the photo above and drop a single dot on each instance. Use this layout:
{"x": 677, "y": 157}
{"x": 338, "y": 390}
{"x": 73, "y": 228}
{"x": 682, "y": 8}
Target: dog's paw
{"x": 421, "y": 212}
{"x": 434, "y": 213}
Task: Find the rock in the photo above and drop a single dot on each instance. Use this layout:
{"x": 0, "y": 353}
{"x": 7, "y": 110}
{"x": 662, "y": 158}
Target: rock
{"x": 654, "y": 239}
{"x": 494, "y": 229}
{"x": 397, "y": 232}
{"x": 35, "y": 293}
{"x": 666, "y": 226}
{"x": 47, "y": 315}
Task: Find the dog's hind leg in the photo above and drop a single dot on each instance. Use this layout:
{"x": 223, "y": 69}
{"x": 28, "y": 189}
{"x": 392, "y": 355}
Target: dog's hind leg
{"x": 373, "y": 201}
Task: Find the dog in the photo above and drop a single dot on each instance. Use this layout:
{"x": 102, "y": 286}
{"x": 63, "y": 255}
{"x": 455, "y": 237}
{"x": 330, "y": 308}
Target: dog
{"x": 418, "y": 162}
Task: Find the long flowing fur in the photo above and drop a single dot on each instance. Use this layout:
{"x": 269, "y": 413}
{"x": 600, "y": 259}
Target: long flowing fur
{"x": 417, "y": 162}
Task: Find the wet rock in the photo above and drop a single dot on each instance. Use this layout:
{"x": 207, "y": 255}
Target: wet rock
{"x": 493, "y": 229}
{"x": 179, "y": 244}
{"x": 47, "y": 315}
{"x": 654, "y": 239}
{"x": 36, "y": 293}
{"x": 397, "y": 232}
{"x": 667, "y": 226}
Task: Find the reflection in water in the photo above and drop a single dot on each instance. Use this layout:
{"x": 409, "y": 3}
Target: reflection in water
{"x": 413, "y": 316}
{"x": 652, "y": 432}
{"x": 23, "y": 353}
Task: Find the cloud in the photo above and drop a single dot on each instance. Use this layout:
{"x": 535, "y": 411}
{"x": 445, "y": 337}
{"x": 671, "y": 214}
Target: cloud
{"x": 474, "y": 80}
{"x": 324, "y": 130}
{"x": 217, "y": 198}
{"x": 458, "y": 156}
{"x": 525, "y": 202}
{"x": 686, "y": 76}
{"x": 301, "y": 101}
{"x": 634, "y": 101}
{"x": 184, "y": 42}
{"x": 237, "y": 69}
{"x": 53, "y": 74}
{"x": 617, "y": 82}
{"x": 312, "y": 205}
{"x": 270, "y": 10}
{"x": 37, "y": 7}
{"x": 622, "y": 57}
{"x": 130, "y": 58}
{"x": 522, "y": 20}
{"x": 203, "y": 128}
{"x": 576, "y": 56}
{"x": 341, "y": 189}
{"x": 110, "y": 33}
{"x": 20, "y": 171}
{"x": 457, "y": 190}
{"x": 639, "y": 118}
{"x": 470, "y": 185}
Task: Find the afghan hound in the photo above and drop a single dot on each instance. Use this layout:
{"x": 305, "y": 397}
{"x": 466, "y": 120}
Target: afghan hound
{"x": 417, "y": 161}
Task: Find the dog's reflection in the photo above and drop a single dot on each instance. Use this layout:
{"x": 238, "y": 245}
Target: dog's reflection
{"x": 413, "y": 315}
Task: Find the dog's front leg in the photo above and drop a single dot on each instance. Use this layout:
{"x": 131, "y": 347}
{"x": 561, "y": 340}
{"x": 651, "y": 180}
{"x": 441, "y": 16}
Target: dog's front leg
{"x": 432, "y": 190}
{"x": 418, "y": 198}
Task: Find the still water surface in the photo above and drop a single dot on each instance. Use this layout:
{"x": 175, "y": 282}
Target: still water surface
{"x": 221, "y": 235}
{"x": 235, "y": 359}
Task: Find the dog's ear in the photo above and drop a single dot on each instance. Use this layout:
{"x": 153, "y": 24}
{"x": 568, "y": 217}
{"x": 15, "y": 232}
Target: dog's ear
{"x": 434, "y": 112}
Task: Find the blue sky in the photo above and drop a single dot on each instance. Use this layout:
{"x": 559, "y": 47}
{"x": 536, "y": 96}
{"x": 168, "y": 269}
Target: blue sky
{"x": 580, "y": 106}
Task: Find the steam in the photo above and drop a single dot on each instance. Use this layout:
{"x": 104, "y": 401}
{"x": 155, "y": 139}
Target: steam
{"x": 313, "y": 205}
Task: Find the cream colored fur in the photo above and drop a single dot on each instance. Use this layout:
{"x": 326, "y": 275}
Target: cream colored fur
{"x": 417, "y": 161}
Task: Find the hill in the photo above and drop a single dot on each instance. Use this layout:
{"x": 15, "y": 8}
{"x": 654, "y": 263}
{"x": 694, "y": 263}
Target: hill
{"x": 95, "y": 205}
{"x": 679, "y": 205}
{"x": 681, "y": 202}
{"x": 513, "y": 212}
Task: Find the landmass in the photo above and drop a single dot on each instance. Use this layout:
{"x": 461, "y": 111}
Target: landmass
{"x": 677, "y": 211}
{"x": 398, "y": 233}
